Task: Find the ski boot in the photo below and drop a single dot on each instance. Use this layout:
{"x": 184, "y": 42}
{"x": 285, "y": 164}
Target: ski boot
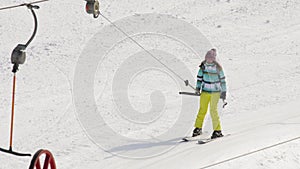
{"x": 197, "y": 132}
{"x": 216, "y": 134}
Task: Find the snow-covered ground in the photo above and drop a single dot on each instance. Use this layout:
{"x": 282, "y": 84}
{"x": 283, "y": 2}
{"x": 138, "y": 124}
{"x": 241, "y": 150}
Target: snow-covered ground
{"x": 258, "y": 45}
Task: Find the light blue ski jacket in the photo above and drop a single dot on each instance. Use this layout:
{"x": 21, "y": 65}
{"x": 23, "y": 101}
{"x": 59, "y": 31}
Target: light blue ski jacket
{"x": 211, "y": 78}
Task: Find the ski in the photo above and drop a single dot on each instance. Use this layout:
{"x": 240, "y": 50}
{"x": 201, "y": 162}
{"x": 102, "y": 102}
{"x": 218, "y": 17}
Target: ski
{"x": 196, "y": 138}
{"x": 190, "y": 138}
{"x": 207, "y": 140}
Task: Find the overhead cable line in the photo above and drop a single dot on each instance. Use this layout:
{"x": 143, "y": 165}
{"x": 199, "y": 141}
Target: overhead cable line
{"x": 147, "y": 51}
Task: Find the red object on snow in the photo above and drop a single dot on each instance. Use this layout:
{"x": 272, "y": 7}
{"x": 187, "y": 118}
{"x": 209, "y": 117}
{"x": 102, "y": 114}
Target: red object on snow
{"x": 48, "y": 160}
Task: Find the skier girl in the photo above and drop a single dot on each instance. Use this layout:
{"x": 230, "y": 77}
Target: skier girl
{"x": 211, "y": 80}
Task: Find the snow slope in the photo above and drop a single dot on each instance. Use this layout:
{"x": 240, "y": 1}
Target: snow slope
{"x": 257, "y": 43}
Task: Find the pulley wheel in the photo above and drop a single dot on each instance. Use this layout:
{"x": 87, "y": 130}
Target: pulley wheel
{"x": 42, "y": 159}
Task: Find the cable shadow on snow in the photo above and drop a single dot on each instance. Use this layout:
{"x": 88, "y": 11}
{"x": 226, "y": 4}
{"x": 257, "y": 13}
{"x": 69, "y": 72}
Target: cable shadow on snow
{"x": 146, "y": 145}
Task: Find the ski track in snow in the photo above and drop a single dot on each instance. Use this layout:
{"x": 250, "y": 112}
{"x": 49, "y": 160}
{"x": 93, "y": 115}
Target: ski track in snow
{"x": 258, "y": 44}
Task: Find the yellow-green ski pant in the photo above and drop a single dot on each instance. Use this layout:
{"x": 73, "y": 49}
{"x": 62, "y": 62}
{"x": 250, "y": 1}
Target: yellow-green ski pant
{"x": 212, "y": 100}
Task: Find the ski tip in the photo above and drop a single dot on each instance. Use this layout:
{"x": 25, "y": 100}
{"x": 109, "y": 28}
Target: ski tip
{"x": 185, "y": 139}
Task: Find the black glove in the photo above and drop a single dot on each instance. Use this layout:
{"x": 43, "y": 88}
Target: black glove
{"x": 197, "y": 90}
{"x": 223, "y": 95}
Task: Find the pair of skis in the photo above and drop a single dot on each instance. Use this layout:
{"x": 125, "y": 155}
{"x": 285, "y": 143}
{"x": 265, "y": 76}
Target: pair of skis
{"x": 198, "y": 139}
{"x": 201, "y": 140}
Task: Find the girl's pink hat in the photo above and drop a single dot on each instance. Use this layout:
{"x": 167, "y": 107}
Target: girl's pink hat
{"x": 211, "y": 54}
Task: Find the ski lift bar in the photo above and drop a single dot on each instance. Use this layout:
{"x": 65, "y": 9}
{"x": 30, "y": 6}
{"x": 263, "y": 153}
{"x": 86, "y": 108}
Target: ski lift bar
{"x": 18, "y": 57}
{"x": 10, "y": 150}
{"x": 198, "y": 94}
{"x": 190, "y": 93}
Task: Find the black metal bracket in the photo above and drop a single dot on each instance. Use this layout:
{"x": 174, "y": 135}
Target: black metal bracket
{"x": 224, "y": 103}
{"x": 186, "y": 82}
{"x": 32, "y": 7}
{"x": 18, "y": 55}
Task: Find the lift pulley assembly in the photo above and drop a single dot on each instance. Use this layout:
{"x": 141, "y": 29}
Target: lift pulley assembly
{"x": 93, "y": 7}
{"x": 18, "y": 57}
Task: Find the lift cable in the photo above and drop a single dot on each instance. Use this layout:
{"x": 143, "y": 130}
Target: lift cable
{"x": 25, "y": 4}
{"x": 128, "y": 36}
